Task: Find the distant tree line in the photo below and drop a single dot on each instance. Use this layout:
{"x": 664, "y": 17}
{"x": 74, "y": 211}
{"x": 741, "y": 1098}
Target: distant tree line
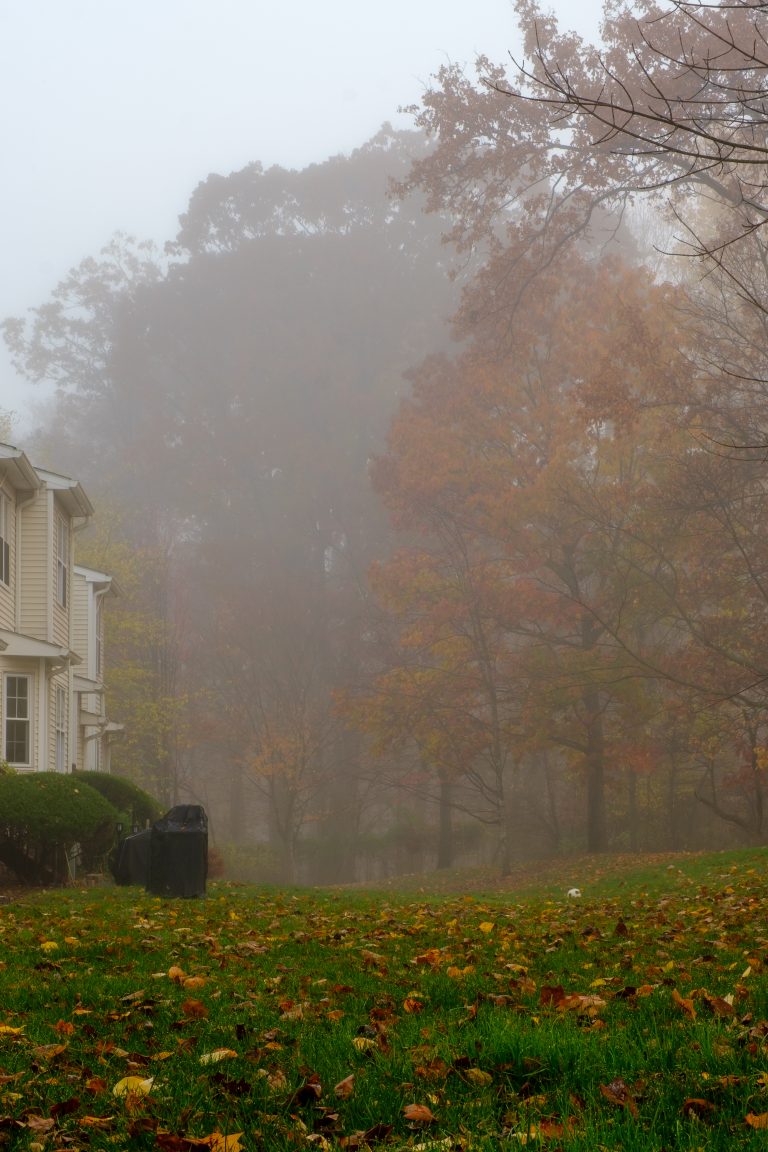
{"x": 436, "y": 473}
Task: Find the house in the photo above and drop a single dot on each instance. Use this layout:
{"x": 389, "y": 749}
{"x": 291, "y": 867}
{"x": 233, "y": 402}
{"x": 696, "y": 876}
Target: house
{"x": 51, "y": 629}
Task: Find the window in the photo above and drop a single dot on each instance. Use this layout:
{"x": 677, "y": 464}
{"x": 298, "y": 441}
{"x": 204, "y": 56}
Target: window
{"x": 61, "y": 730}
{"x": 62, "y": 560}
{"x": 5, "y": 547}
{"x": 18, "y": 731}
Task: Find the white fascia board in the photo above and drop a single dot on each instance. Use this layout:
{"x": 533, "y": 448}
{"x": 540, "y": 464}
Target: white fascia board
{"x": 15, "y": 644}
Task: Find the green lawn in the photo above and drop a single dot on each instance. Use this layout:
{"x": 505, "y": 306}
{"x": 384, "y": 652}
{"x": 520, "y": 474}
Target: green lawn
{"x": 635, "y": 1017}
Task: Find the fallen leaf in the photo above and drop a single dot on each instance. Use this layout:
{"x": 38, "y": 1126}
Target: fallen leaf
{"x": 345, "y": 1087}
{"x": 478, "y": 1077}
{"x": 418, "y": 1114}
{"x": 695, "y": 1106}
{"x": 619, "y": 1094}
{"x": 220, "y": 1143}
{"x": 194, "y": 1009}
{"x": 217, "y": 1055}
{"x": 685, "y": 1005}
{"x": 95, "y": 1121}
{"x": 133, "y": 1085}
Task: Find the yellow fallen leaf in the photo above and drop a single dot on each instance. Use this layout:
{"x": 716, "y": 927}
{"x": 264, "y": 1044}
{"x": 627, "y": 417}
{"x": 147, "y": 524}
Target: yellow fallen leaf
{"x": 7, "y": 1030}
{"x": 176, "y": 974}
{"x": 48, "y": 946}
{"x": 363, "y": 1044}
{"x": 217, "y": 1055}
{"x": 478, "y": 1077}
{"x": 230, "y": 1143}
{"x": 133, "y": 1085}
{"x": 486, "y": 927}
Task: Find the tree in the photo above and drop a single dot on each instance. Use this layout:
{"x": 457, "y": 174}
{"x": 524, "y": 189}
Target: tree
{"x": 531, "y": 447}
{"x": 144, "y": 643}
{"x": 237, "y": 392}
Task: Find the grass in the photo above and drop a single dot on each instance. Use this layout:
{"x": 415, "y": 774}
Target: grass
{"x": 633, "y": 1018}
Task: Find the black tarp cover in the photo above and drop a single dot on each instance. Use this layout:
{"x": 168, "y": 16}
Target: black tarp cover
{"x": 178, "y": 852}
{"x": 131, "y": 865}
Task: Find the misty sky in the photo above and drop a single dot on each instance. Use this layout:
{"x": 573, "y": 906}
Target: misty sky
{"x": 113, "y": 110}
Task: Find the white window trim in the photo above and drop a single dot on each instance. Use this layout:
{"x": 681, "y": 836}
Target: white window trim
{"x": 29, "y": 718}
{"x": 62, "y": 559}
{"x": 60, "y": 728}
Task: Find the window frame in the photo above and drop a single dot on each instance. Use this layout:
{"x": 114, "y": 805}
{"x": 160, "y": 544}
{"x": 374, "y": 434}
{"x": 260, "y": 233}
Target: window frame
{"x": 8, "y": 718}
{"x": 61, "y": 545}
{"x": 60, "y": 728}
{"x": 5, "y": 543}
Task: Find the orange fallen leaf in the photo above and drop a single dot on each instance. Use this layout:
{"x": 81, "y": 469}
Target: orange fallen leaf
{"x": 695, "y": 1106}
{"x": 757, "y": 1120}
{"x": 345, "y": 1087}
{"x": 95, "y": 1121}
{"x": 685, "y": 1005}
{"x": 195, "y": 1009}
{"x": 418, "y": 1114}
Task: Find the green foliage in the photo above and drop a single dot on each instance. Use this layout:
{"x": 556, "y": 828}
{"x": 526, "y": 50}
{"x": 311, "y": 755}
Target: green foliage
{"x": 48, "y": 806}
{"x": 124, "y": 795}
{"x": 44, "y": 815}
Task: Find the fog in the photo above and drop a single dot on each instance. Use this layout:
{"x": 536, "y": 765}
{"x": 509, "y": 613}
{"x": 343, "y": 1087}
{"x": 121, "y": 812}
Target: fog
{"x": 399, "y": 431}
{"x": 114, "y": 112}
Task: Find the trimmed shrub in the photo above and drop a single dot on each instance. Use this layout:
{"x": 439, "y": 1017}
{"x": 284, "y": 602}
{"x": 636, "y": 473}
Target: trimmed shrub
{"x": 132, "y": 802}
{"x": 43, "y": 815}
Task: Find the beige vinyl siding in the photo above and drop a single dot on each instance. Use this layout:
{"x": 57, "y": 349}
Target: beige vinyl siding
{"x": 59, "y": 681}
{"x": 8, "y": 591}
{"x": 80, "y": 605}
{"x": 34, "y": 588}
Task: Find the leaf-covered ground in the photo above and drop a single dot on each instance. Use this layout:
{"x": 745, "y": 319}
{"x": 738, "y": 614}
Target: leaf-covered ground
{"x": 633, "y": 1017}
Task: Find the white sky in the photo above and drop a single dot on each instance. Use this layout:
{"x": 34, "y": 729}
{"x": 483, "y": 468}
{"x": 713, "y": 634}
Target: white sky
{"x": 114, "y": 110}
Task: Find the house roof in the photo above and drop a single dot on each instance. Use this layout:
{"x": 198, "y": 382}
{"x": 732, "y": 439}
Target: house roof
{"x": 70, "y": 492}
{"x": 15, "y": 644}
{"x": 16, "y": 466}
{"x": 100, "y": 580}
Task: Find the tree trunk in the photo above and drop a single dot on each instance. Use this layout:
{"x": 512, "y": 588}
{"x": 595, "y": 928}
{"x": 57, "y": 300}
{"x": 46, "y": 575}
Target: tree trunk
{"x": 633, "y": 812}
{"x": 445, "y": 834}
{"x": 597, "y": 832}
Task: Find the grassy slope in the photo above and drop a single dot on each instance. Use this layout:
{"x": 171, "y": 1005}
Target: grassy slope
{"x": 634, "y": 1018}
